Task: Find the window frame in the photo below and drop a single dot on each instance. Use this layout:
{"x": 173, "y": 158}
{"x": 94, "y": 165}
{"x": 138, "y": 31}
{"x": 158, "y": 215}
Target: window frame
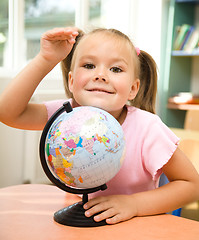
{"x": 16, "y": 56}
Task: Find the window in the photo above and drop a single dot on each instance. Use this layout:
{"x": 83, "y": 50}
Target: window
{"x": 3, "y": 29}
{"x": 22, "y": 22}
{"x": 95, "y": 14}
{"x": 42, "y": 15}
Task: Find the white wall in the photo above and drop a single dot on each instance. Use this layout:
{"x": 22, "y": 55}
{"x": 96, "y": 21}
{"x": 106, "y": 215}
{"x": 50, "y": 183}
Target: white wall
{"x": 148, "y": 27}
{"x": 11, "y": 156}
{"x": 140, "y": 19}
{"x": 11, "y": 151}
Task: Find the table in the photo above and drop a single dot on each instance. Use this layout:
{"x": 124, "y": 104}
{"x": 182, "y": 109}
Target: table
{"x": 26, "y": 213}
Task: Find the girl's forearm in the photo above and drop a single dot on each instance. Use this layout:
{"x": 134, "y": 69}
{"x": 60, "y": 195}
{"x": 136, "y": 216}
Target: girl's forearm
{"x": 166, "y": 198}
{"x": 14, "y": 99}
{"x": 183, "y": 188}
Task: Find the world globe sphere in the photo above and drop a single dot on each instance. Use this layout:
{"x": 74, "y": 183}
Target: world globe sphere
{"x": 84, "y": 148}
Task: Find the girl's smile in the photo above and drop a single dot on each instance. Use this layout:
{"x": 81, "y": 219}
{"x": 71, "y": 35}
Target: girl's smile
{"x": 99, "y": 90}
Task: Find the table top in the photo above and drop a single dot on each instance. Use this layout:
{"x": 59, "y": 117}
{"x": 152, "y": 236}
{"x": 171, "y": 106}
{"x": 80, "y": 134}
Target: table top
{"x": 26, "y": 213}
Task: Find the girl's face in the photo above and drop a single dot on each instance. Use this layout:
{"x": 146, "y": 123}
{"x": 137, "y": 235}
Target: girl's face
{"x": 103, "y": 73}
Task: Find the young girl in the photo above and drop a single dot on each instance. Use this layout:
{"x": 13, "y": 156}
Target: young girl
{"x": 105, "y": 70}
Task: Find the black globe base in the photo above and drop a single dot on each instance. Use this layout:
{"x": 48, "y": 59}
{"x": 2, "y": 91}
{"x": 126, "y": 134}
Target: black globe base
{"x": 74, "y": 215}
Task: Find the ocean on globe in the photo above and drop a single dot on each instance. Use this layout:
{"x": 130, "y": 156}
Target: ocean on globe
{"x": 85, "y": 147}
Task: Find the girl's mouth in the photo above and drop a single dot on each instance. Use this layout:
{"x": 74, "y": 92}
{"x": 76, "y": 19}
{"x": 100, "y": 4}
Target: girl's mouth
{"x": 99, "y": 90}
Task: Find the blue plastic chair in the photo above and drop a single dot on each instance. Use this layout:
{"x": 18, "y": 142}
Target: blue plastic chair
{"x": 164, "y": 180}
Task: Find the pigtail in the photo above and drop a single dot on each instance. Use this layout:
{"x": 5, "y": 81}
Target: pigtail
{"x": 146, "y": 96}
{"x": 66, "y": 64}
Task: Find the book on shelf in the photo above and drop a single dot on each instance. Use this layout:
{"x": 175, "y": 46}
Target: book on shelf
{"x": 181, "y": 32}
{"x": 192, "y": 42}
{"x": 187, "y": 38}
{"x": 184, "y": 98}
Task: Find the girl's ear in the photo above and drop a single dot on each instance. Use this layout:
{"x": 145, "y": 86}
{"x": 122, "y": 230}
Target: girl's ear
{"x": 70, "y": 82}
{"x": 134, "y": 89}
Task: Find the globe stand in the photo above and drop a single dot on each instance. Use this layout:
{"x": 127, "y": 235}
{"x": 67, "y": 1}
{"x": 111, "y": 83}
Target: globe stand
{"x": 74, "y": 215}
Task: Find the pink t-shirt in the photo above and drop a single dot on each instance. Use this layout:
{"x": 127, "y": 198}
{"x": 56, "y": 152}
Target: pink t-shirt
{"x": 149, "y": 146}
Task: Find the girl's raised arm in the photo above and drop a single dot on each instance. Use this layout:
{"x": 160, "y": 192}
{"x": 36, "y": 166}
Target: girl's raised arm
{"x": 15, "y": 109}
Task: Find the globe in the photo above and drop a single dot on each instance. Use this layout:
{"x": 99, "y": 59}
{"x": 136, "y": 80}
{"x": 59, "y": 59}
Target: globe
{"x": 81, "y": 149}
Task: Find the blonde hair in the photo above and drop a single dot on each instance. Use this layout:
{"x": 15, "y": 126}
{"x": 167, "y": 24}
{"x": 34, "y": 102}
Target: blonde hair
{"x": 144, "y": 68}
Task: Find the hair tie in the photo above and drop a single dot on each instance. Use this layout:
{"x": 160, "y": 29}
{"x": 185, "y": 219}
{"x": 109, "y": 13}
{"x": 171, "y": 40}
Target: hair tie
{"x": 137, "y": 51}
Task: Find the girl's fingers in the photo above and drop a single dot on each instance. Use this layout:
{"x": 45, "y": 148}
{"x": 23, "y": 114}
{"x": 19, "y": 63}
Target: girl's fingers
{"x": 104, "y": 215}
{"x": 95, "y": 209}
{"x": 115, "y": 219}
{"x": 61, "y": 34}
{"x": 101, "y": 207}
{"x": 59, "y": 37}
{"x": 93, "y": 202}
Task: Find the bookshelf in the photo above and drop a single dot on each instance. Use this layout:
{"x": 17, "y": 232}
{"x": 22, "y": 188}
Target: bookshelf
{"x": 177, "y": 66}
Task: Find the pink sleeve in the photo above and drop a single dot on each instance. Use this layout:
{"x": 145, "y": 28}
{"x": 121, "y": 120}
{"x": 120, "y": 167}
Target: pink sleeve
{"x": 158, "y": 147}
{"x": 53, "y": 106}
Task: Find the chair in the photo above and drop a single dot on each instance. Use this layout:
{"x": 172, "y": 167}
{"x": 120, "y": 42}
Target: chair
{"x": 192, "y": 120}
{"x": 191, "y": 148}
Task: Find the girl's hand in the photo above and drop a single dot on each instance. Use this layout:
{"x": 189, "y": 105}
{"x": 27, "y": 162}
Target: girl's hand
{"x": 57, "y": 43}
{"x": 114, "y": 209}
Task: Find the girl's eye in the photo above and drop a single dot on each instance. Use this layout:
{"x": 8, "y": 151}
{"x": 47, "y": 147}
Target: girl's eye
{"x": 89, "y": 66}
{"x": 116, "y": 69}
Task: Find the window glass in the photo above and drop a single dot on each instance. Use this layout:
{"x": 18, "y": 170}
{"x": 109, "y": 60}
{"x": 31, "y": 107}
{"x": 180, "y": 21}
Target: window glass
{"x": 3, "y": 29}
{"x": 42, "y": 15}
{"x": 95, "y": 13}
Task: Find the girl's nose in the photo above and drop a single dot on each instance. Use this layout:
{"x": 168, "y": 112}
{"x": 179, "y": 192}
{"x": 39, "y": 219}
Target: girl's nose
{"x": 100, "y": 74}
{"x": 97, "y": 78}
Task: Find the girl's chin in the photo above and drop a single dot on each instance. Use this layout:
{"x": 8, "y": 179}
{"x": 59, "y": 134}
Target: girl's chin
{"x": 88, "y": 103}
{"x": 94, "y": 104}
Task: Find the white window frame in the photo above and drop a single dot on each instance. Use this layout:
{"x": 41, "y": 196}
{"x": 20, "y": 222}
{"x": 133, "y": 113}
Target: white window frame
{"x": 15, "y": 54}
